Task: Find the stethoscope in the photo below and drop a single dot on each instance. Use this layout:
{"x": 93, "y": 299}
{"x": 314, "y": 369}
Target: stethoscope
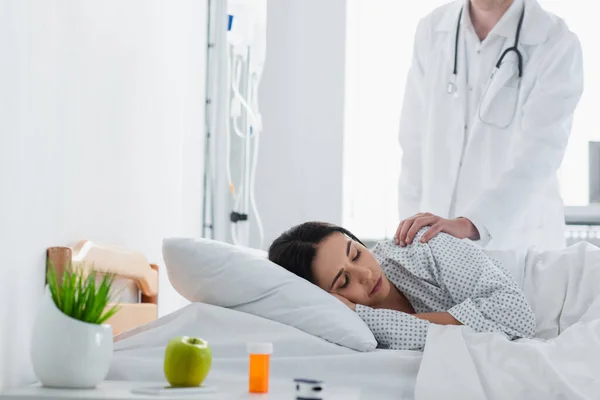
{"x": 452, "y": 87}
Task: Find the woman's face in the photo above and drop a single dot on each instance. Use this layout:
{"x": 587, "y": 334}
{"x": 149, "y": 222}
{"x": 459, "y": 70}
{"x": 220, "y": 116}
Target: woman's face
{"x": 345, "y": 267}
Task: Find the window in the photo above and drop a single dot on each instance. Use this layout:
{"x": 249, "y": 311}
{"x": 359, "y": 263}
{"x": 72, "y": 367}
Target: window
{"x": 574, "y": 171}
{"x": 380, "y": 36}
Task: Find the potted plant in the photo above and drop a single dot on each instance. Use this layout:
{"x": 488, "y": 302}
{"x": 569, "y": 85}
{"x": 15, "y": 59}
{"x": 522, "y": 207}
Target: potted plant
{"x": 72, "y": 347}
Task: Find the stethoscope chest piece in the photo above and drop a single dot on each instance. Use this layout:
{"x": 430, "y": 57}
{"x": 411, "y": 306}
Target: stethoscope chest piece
{"x": 452, "y": 89}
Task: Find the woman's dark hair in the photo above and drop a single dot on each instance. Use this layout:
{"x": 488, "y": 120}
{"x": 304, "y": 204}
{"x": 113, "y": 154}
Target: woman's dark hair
{"x": 296, "y": 248}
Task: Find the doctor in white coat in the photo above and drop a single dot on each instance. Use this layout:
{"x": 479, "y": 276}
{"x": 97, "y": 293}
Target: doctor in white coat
{"x": 485, "y": 123}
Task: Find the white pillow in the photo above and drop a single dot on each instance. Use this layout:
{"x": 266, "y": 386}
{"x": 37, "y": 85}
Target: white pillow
{"x": 243, "y": 279}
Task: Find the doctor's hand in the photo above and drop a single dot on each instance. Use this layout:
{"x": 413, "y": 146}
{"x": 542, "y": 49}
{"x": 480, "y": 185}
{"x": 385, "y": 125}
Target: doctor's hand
{"x": 347, "y": 302}
{"x": 460, "y": 228}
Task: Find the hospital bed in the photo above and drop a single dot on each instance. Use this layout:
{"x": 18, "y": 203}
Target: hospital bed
{"x": 235, "y": 300}
{"x": 562, "y": 361}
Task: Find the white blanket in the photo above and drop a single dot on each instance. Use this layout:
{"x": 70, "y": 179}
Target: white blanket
{"x": 563, "y": 362}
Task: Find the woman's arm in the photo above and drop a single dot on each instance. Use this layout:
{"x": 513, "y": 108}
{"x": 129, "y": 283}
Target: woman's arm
{"x": 397, "y": 330}
{"x": 401, "y": 331}
{"x": 393, "y": 329}
{"x": 487, "y": 298}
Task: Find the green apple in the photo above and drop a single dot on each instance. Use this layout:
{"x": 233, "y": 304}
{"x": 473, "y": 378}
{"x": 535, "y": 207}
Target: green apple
{"x": 187, "y": 361}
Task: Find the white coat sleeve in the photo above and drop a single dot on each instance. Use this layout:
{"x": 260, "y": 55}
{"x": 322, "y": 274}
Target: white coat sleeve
{"x": 545, "y": 130}
{"x": 412, "y": 121}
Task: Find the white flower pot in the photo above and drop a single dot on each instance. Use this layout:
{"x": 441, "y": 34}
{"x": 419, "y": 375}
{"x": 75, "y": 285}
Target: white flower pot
{"x": 67, "y": 353}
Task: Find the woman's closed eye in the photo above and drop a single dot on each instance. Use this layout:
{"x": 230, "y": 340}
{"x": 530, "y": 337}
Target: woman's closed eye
{"x": 346, "y": 276}
{"x": 346, "y": 281}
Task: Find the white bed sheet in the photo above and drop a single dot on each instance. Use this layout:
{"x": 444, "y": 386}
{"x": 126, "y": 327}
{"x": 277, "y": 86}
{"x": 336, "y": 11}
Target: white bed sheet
{"x": 378, "y": 375}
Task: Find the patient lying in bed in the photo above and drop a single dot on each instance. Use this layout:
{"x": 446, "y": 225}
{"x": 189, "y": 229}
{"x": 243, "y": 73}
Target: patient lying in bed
{"x": 400, "y": 291}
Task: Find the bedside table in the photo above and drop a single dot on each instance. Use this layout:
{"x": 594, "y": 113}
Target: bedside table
{"x": 122, "y": 390}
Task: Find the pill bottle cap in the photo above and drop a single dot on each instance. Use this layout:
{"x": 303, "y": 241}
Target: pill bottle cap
{"x": 260, "y": 348}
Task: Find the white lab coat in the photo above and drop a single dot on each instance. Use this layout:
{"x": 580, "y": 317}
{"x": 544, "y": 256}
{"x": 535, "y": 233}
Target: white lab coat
{"x": 506, "y": 180}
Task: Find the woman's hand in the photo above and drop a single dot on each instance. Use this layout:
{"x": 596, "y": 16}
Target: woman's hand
{"x": 347, "y": 302}
{"x": 460, "y": 228}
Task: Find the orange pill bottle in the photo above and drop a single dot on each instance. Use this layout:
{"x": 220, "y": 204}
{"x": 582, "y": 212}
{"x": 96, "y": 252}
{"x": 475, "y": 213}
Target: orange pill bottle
{"x": 258, "y": 368}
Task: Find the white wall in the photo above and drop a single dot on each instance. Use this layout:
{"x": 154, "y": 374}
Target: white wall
{"x": 101, "y": 134}
{"x": 299, "y": 174}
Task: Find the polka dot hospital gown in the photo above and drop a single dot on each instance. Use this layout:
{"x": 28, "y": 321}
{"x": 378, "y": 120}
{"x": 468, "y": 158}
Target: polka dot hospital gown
{"x": 446, "y": 275}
